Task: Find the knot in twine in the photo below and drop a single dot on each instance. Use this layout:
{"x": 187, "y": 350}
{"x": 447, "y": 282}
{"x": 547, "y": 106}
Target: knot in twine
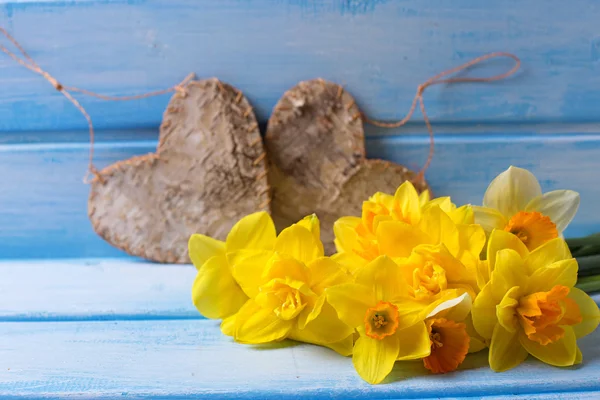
{"x": 437, "y": 80}
{"x": 26, "y": 61}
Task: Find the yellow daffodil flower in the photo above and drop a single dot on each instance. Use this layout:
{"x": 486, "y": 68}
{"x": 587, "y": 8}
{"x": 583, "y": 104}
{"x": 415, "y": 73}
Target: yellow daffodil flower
{"x": 286, "y": 290}
{"x": 390, "y": 324}
{"x": 394, "y": 225}
{"x": 432, "y": 272}
{"x": 514, "y": 202}
{"x": 215, "y": 293}
{"x": 530, "y": 304}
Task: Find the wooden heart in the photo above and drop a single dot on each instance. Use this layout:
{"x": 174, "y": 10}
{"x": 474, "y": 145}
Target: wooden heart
{"x": 209, "y": 170}
{"x": 315, "y": 143}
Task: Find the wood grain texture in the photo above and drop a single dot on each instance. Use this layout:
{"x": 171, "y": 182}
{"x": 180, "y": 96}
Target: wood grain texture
{"x": 209, "y": 170}
{"x": 316, "y": 147}
{"x": 95, "y": 289}
{"x": 43, "y": 200}
{"x": 181, "y": 359}
{"x": 380, "y": 50}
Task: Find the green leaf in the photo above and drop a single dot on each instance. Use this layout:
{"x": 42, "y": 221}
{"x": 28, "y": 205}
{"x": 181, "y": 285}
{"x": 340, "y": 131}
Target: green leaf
{"x": 590, "y": 284}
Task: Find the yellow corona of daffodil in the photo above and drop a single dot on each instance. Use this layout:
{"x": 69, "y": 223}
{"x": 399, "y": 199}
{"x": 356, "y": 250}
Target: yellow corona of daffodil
{"x": 285, "y": 287}
{"x": 432, "y": 272}
{"x": 215, "y": 292}
{"x": 530, "y": 304}
{"x": 394, "y": 225}
{"x": 514, "y": 202}
{"x": 391, "y": 325}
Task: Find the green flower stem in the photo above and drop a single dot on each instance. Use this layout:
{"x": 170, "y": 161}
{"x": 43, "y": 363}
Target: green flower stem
{"x": 589, "y": 284}
{"x": 586, "y": 251}
{"x": 591, "y": 240}
{"x": 589, "y": 265}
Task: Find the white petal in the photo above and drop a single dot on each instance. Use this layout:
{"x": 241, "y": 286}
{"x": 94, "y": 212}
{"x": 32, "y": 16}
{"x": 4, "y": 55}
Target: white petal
{"x": 511, "y": 191}
{"x": 462, "y": 304}
{"x": 489, "y": 219}
{"x": 559, "y": 205}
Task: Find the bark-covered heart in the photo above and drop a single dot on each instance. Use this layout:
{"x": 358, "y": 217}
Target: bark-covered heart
{"x": 209, "y": 170}
{"x": 315, "y": 143}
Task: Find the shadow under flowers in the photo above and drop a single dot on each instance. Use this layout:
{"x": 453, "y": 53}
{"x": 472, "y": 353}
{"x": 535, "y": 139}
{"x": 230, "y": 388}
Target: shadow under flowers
{"x": 411, "y": 369}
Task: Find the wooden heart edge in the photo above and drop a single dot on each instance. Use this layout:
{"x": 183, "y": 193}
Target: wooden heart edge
{"x": 110, "y": 170}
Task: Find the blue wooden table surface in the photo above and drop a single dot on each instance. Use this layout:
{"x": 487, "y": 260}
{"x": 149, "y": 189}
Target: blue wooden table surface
{"x": 81, "y": 319}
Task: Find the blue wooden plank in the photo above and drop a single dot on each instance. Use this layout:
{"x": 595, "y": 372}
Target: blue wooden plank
{"x": 96, "y": 290}
{"x": 380, "y": 50}
{"x": 183, "y": 359}
{"x": 43, "y": 202}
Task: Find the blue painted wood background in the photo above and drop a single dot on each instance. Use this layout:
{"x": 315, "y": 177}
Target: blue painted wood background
{"x": 78, "y": 317}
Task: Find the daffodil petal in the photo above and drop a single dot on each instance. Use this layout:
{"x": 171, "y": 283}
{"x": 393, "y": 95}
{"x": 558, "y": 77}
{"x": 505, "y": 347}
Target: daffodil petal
{"x": 506, "y": 352}
{"x": 228, "y": 325}
{"x": 299, "y": 243}
{"x": 215, "y": 293}
{"x": 398, "y": 239}
{"x": 247, "y": 267}
{"x": 506, "y": 311}
{"x": 489, "y": 218}
{"x": 346, "y": 237}
{"x": 546, "y": 254}
{"x": 500, "y": 240}
{"x": 325, "y": 273}
{"x": 484, "y": 312}
{"x": 445, "y": 203}
{"x": 483, "y": 273}
{"x": 311, "y": 222}
{"x": 438, "y": 226}
{"x": 562, "y": 272}
{"x": 509, "y": 272}
{"x": 414, "y": 342}
{"x": 589, "y": 312}
{"x": 472, "y": 241}
{"x": 578, "y": 357}
{"x": 201, "y": 248}
{"x": 309, "y": 314}
{"x": 463, "y": 215}
{"x": 344, "y": 346}
{"x": 374, "y": 359}
{"x": 560, "y": 205}
{"x": 351, "y": 301}
{"x": 412, "y": 311}
{"x": 455, "y": 271}
{"x": 285, "y": 266}
{"x": 326, "y": 328}
{"x": 455, "y": 309}
{"x": 424, "y": 197}
{"x": 254, "y": 231}
{"x": 349, "y": 261}
{"x": 561, "y": 353}
{"x": 511, "y": 191}
{"x": 383, "y": 276}
{"x": 407, "y": 199}
{"x": 255, "y": 325}
{"x": 477, "y": 343}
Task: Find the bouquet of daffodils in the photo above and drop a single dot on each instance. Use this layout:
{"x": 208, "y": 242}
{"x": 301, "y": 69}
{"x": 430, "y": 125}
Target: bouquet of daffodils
{"x": 413, "y": 278}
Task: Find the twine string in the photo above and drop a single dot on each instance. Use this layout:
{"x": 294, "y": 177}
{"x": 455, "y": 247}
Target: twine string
{"x": 438, "y": 80}
{"x": 26, "y": 61}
